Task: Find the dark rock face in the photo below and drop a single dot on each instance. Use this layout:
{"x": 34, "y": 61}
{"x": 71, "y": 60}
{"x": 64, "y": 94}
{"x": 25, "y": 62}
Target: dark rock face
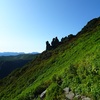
{"x": 92, "y": 24}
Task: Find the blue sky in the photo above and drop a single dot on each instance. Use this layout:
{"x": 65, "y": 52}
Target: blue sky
{"x": 25, "y": 25}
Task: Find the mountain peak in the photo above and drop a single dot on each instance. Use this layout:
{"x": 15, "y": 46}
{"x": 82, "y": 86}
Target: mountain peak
{"x": 91, "y": 25}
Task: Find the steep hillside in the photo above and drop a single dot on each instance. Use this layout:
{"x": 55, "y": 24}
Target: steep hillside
{"x": 10, "y": 63}
{"x": 74, "y": 63}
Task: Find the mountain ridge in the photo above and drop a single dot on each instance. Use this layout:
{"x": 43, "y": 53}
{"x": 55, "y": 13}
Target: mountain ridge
{"x": 15, "y": 53}
{"x": 10, "y": 63}
{"x": 75, "y": 63}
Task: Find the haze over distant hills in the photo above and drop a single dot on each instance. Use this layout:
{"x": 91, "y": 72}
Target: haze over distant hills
{"x": 14, "y": 53}
{"x": 16, "y": 60}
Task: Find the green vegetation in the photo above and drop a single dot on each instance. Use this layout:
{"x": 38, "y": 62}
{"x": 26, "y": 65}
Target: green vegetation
{"x": 18, "y": 57}
{"x": 10, "y": 63}
{"x": 75, "y": 63}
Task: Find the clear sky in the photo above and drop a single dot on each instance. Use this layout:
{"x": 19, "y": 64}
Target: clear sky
{"x": 25, "y": 25}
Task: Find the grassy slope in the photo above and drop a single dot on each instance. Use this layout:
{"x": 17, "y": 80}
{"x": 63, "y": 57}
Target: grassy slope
{"x": 75, "y": 64}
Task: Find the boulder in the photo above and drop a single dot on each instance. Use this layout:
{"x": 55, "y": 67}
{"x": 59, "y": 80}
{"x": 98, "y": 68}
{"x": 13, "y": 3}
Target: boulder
{"x": 66, "y": 90}
{"x": 43, "y": 94}
{"x": 70, "y": 95}
{"x": 86, "y": 98}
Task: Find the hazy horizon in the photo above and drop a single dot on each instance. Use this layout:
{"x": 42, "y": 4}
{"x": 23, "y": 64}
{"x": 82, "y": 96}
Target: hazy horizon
{"x": 25, "y": 25}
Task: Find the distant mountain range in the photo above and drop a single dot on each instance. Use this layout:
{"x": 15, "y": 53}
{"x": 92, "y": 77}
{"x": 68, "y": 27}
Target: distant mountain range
{"x": 14, "y": 53}
{"x": 16, "y": 60}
